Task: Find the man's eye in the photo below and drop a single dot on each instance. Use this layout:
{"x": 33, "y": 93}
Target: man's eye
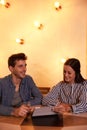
{"x": 20, "y": 65}
{"x": 64, "y": 72}
{"x": 69, "y": 73}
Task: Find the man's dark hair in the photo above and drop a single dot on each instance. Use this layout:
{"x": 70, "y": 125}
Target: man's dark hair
{"x": 15, "y": 57}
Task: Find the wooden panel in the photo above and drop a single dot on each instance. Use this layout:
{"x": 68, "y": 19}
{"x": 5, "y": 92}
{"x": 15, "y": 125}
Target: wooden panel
{"x": 44, "y": 90}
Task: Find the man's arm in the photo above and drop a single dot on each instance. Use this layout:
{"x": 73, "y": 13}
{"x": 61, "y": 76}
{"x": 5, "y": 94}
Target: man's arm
{"x": 4, "y": 110}
{"x": 36, "y": 96}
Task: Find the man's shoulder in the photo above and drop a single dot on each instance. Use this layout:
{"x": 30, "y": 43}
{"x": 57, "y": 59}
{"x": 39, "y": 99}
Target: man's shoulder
{"x": 28, "y": 77}
{"x": 28, "y": 80}
{"x": 5, "y": 78}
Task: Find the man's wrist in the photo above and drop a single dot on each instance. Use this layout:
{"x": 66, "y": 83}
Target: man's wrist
{"x": 12, "y": 112}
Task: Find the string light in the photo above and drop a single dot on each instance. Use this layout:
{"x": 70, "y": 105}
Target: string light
{"x": 38, "y": 25}
{"x": 6, "y": 4}
{"x": 21, "y": 41}
{"x": 63, "y": 60}
{"x": 2, "y": 2}
{"x": 57, "y": 5}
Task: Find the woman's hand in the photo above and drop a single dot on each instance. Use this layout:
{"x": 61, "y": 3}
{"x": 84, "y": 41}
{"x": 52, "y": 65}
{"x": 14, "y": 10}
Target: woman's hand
{"x": 62, "y": 108}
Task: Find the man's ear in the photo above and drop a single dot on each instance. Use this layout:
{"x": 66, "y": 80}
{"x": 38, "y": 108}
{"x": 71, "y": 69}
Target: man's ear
{"x": 10, "y": 68}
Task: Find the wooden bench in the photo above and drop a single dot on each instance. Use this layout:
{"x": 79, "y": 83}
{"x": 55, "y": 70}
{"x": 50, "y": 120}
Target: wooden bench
{"x": 44, "y": 90}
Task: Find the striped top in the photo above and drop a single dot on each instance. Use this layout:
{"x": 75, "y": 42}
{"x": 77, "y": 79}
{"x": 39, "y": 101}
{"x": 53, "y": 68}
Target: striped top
{"x": 72, "y": 94}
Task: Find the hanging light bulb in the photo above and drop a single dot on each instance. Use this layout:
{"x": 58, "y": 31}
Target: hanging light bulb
{"x": 6, "y": 4}
{"x": 38, "y": 25}
{"x": 63, "y": 60}
{"x": 21, "y": 41}
{"x": 2, "y": 2}
{"x": 57, "y": 5}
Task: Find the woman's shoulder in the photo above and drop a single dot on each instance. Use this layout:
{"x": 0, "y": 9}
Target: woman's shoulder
{"x": 59, "y": 84}
{"x": 85, "y": 82}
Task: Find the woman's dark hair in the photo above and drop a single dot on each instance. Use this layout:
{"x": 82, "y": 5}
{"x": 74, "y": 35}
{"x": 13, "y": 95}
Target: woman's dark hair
{"x": 13, "y": 58}
{"x": 75, "y": 65}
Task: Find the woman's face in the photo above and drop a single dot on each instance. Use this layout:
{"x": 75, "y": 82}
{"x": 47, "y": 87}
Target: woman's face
{"x": 68, "y": 74}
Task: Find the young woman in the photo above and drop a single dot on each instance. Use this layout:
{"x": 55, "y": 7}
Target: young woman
{"x": 69, "y": 95}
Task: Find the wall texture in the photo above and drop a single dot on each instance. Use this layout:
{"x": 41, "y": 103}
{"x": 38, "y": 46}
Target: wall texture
{"x": 63, "y": 36}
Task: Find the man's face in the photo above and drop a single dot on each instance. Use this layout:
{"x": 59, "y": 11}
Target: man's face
{"x": 19, "y": 70}
{"x": 69, "y": 74}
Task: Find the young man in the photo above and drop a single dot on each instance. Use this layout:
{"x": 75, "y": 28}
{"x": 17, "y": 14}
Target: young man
{"x": 18, "y": 90}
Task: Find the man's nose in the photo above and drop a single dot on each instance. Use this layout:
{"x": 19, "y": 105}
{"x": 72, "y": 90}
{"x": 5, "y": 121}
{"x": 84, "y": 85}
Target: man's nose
{"x": 24, "y": 68}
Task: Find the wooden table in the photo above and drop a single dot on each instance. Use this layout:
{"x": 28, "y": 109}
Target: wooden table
{"x": 70, "y": 122}
{"x": 10, "y": 123}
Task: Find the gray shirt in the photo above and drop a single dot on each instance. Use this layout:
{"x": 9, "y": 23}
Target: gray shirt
{"x": 28, "y": 91}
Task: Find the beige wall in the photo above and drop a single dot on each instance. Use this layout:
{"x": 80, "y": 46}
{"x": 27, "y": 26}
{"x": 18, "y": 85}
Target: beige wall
{"x": 63, "y": 36}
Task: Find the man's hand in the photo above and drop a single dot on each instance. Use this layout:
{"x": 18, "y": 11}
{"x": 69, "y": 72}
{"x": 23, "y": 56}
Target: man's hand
{"x": 62, "y": 108}
{"x": 22, "y": 111}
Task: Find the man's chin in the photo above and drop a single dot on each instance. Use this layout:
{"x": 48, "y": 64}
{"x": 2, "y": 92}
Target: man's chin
{"x": 23, "y": 76}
